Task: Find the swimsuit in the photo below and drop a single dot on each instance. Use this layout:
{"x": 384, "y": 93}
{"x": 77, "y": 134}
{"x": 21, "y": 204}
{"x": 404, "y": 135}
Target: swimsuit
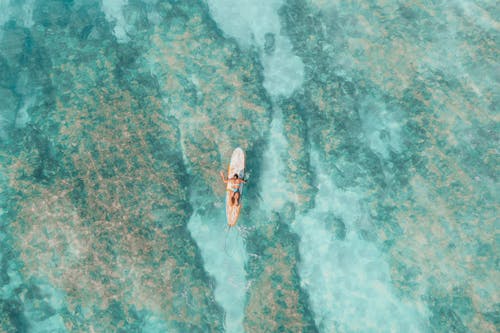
{"x": 233, "y": 189}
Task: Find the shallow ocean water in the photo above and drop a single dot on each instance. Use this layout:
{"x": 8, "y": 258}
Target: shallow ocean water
{"x": 371, "y": 139}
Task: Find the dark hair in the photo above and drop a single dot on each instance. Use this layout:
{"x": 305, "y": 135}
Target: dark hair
{"x": 236, "y": 175}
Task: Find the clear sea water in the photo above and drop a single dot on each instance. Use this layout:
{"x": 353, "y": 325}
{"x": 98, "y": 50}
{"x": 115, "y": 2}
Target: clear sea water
{"x": 371, "y": 137}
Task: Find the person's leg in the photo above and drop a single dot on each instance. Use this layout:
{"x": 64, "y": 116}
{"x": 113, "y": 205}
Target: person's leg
{"x": 237, "y": 198}
{"x": 232, "y": 198}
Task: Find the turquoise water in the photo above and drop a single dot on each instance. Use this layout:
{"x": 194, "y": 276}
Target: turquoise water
{"x": 371, "y": 139}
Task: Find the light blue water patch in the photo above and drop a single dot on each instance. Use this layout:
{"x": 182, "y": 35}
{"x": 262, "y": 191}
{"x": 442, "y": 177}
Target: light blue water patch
{"x": 277, "y": 193}
{"x": 38, "y": 316}
{"x": 15, "y": 101}
{"x": 41, "y": 303}
{"x": 20, "y": 10}
{"x": 113, "y": 9}
{"x": 348, "y": 278}
{"x": 257, "y": 23}
{"x": 153, "y": 324}
{"x": 22, "y": 116}
{"x": 380, "y": 126}
{"x": 5, "y": 11}
{"x": 7, "y": 291}
{"x": 54, "y": 324}
{"x": 224, "y": 256}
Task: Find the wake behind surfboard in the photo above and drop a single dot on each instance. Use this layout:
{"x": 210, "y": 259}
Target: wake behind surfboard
{"x": 236, "y": 166}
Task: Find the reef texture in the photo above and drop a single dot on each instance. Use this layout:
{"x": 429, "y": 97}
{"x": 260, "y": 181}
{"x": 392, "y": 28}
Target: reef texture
{"x": 400, "y": 112}
{"x": 110, "y": 139}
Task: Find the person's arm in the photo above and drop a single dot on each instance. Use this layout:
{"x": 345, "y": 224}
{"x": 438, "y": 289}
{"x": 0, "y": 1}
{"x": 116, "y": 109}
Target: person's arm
{"x": 223, "y": 177}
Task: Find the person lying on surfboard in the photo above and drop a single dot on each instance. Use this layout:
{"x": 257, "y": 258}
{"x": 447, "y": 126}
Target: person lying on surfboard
{"x": 234, "y": 187}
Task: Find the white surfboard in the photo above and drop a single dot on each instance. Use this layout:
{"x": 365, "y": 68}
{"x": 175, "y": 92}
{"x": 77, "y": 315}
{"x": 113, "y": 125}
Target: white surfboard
{"x": 236, "y": 166}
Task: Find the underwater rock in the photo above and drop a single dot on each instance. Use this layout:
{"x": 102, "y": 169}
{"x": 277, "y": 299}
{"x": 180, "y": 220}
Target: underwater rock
{"x": 276, "y": 301}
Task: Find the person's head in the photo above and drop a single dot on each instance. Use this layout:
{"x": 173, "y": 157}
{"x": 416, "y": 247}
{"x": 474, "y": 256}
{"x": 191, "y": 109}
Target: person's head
{"x": 236, "y": 176}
